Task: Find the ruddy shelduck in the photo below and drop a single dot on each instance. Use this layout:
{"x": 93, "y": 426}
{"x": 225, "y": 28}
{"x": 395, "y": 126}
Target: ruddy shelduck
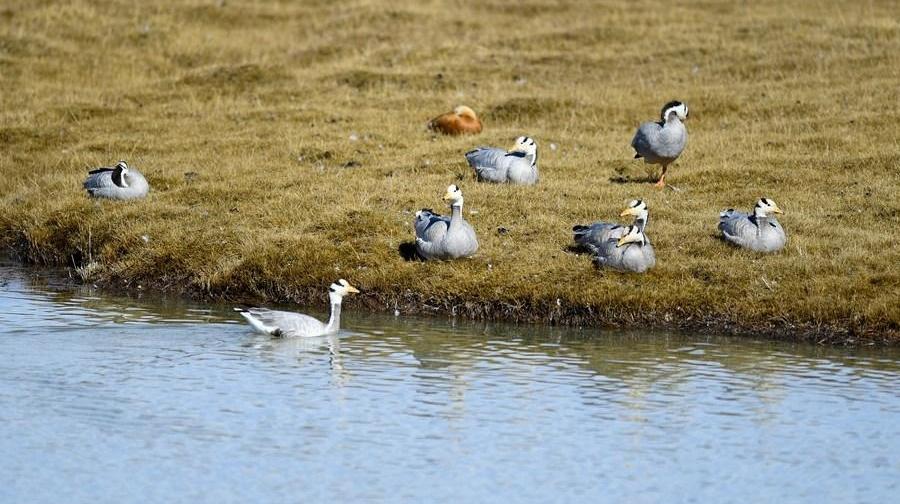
{"x": 461, "y": 121}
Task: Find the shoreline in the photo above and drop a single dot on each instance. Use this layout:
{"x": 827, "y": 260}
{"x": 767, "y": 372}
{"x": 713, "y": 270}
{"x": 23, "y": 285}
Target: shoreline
{"x": 533, "y": 312}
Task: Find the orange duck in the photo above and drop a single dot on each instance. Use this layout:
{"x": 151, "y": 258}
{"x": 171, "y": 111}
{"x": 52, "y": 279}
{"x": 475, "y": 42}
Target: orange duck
{"x": 459, "y": 122}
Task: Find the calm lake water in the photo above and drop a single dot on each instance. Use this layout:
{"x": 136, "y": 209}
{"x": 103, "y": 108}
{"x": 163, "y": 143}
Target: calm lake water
{"x": 106, "y": 399}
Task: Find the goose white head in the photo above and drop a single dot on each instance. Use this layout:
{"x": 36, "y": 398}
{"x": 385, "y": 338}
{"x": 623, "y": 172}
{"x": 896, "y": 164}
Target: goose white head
{"x": 637, "y": 208}
{"x": 119, "y": 173}
{"x": 632, "y": 234}
{"x": 764, "y": 207}
{"x": 454, "y": 195}
{"x": 525, "y": 145}
{"x": 674, "y": 107}
{"x": 339, "y": 289}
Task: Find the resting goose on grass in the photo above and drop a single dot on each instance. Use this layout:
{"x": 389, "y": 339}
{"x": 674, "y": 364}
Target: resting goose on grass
{"x": 758, "y": 231}
{"x": 629, "y": 252}
{"x": 459, "y": 122}
{"x": 662, "y": 142}
{"x": 590, "y": 237}
{"x": 118, "y": 182}
{"x": 518, "y": 166}
{"x": 602, "y": 239}
{"x": 440, "y": 237}
{"x": 283, "y": 324}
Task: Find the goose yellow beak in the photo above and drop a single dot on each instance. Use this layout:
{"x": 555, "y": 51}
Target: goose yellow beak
{"x": 352, "y": 290}
{"x": 776, "y": 209}
{"x": 448, "y": 196}
{"x": 622, "y": 241}
{"x": 628, "y": 211}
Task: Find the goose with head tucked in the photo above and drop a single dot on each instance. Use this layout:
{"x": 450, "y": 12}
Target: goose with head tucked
{"x": 518, "y": 166}
{"x": 284, "y": 324}
{"x": 592, "y": 236}
{"x": 758, "y": 231}
{"x": 117, "y": 182}
{"x": 662, "y": 142}
{"x": 462, "y": 120}
{"x": 440, "y": 237}
{"x": 628, "y": 251}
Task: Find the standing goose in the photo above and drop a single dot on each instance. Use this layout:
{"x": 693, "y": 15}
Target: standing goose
{"x": 518, "y": 166}
{"x": 283, "y": 324}
{"x": 662, "y": 142}
{"x": 757, "y": 231}
{"x": 118, "y": 182}
{"x": 590, "y": 237}
{"x": 628, "y": 254}
{"x": 459, "y": 122}
{"x": 439, "y": 237}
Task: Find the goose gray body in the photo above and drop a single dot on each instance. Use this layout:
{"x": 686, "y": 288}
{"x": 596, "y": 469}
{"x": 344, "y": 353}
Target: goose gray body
{"x": 518, "y": 166}
{"x": 636, "y": 255}
{"x": 440, "y": 237}
{"x": 660, "y": 143}
{"x": 118, "y": 182}
{"x": 751, "y": 231}
{"x": 284, "y": 324}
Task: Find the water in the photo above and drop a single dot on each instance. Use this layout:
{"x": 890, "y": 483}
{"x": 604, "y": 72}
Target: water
{"x": 106, "y": 399}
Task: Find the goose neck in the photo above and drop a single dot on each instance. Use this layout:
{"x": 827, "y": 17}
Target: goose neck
{"x": 455, "y": 216}
{"x": 334, "y": 321}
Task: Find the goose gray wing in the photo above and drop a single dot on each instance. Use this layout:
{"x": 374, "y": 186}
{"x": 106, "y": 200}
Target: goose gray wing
{"x": 591, "y": 237}
{"x": 490, "y": 163}
{"x": 98, "y": 179}
{"x": 282, "y": 323}
{"x": 429, "y": 225}
{"x": 644, "y": 138}
{"x": 737, "y": 227}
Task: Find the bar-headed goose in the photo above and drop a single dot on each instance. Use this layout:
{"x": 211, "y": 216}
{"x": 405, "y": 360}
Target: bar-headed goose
{"x": 459, "y": 122}
{"x": 283, "y": 324}
{"x": 118, "y": 182}
{"x": 592, "y": 236}
{"x": 628, "y": 252}
{"x": 662, "y": 142}
{"x": 518, "y": 166}
{"x": 758, "y": 231}
{"x": 440, "y": 237}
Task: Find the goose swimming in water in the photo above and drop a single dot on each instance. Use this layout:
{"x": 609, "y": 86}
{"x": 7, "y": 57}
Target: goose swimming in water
{"x": 440, "y": 237}
{"x": 118, "y": 182}
{"x": 283, "y": 324}
{"x": 630, "y": 251}
{"x": 662, "y": 142}
{"x": 518, "y": 166}
{"x": 459, "y": 122}
{"x": 758, "y": 231}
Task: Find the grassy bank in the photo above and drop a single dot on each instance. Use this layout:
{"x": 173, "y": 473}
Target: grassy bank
{"x": 286, "y": 146}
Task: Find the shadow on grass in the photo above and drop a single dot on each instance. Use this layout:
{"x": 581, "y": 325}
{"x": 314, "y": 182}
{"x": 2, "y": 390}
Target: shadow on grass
{"x": 633, "y": 179}
{"x": 408, "y": 252}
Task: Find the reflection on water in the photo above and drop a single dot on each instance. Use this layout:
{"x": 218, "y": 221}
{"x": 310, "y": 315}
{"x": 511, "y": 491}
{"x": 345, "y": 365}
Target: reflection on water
{"x": 105, "y": 398}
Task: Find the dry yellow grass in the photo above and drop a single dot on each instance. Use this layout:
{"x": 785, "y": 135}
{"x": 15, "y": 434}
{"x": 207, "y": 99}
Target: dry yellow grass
{"x": 286, "y": 145}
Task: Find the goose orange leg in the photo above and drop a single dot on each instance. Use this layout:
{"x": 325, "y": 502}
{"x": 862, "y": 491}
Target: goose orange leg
{"x": 662, "y": 178}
